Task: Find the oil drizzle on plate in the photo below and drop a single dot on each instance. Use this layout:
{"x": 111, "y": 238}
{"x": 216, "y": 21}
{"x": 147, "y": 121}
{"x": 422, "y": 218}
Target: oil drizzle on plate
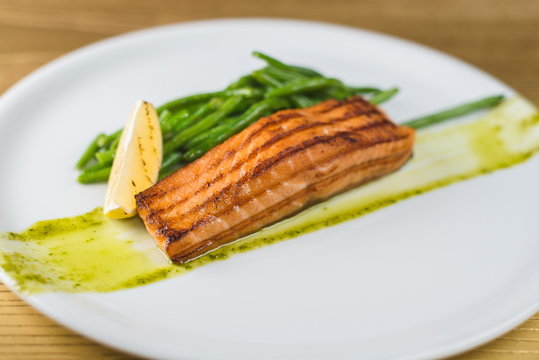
{"x": 92, "y": 253}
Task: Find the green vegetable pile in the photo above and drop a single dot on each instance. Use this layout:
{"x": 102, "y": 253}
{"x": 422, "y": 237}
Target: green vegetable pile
{"x": 194, "y": 124}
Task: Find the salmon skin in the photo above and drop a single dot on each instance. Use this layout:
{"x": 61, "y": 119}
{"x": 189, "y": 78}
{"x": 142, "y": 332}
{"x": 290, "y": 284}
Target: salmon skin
{"x": 273, "y": 169}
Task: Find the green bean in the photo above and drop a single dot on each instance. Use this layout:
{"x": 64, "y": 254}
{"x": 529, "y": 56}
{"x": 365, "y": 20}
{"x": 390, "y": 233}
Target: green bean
{"x": 163, "y": 115}
{"x": 362, "y": 90}
{"x": 265, "y": 79}
{"x": 169, "y": 170}
{"x": 173, "y": 121}
{"x": 164, "y": 121}
{"x": 247, "y": 92}
{"x": 453, "y": 112}
{"x": 301, "y": 101}
{"x": 105, "y": 156}
{"x": 177, "y": 116}
{"x": 271, "y": 61}
{"x": 200, "y": 113}
{"x": 201, "y": 149}
{"x": 245, "y": 80}
{"x": 88, "y": 177}
{"x": 188, "y": 100}
{"x": 90, "y": 151}
{"x": 272, "y": 82}
{"x": 199, "y": 98}
{"x": 244, "y": 105}
{"x": 306, "y": 71}
{"x": 171, "y": 163}
{"x": 200, "y": 138}
{"x": 98, "y": 166}
{"x": 115, "y": 136}
{"x": 232, "y": 119}
{"x": 114, "y": 144}
{"x": 102, "y": 140}
{"x": 198, "y": 151}
{"x": 280, "y": 65}
{"x": 301, "y": 86}
{"x": 180, "y": 139}
{"x": 383, "y": 96}
{"x": 171, "y": 159}
{"x": 283, "y": 75}
{"x": 338, "y": 93}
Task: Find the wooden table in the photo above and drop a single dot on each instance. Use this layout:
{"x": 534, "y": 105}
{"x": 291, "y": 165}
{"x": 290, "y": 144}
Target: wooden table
{"x": 499, "y": 36}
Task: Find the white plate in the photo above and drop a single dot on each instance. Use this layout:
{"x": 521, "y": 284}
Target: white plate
{"x": 427, "y": 277}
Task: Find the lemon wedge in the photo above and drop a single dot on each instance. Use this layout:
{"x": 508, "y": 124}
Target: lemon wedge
{"x": 137, "y": 161}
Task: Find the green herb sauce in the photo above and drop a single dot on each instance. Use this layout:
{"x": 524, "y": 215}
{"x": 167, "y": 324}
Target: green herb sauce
{"x": 93, "y": 253}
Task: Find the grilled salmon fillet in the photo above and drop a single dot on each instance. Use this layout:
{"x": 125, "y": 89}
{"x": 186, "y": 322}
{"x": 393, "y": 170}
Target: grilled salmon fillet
{"x": 276, "y": 167}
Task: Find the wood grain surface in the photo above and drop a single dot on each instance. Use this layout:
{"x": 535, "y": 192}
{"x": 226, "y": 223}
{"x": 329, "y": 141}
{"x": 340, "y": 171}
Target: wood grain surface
{"x": 499, "y": 36}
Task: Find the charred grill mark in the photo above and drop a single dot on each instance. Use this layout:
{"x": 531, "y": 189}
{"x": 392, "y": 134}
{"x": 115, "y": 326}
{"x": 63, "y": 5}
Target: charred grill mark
{"x": 203, "y": 247}
{"x": 274, "y": 140}
{"x": 269, "y": 163}
{"x": 141, "y": 152}
{"x": 148, "y": 118}
{"x": 172, "y": 233}
{"x": 139, "y": 143}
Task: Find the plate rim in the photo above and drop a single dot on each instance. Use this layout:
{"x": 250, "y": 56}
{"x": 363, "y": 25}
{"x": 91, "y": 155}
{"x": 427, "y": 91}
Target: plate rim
{"x": 56, "y": 315}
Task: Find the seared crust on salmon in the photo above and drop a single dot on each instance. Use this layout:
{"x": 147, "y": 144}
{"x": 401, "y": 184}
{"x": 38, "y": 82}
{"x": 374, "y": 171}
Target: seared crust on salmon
{"x": 276, "y": 167}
